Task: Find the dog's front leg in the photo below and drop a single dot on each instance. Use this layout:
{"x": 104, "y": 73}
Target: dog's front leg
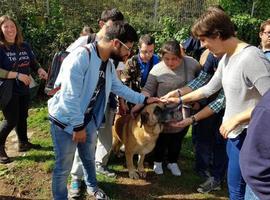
{"x": 140, "y": 165}
{"x": 130, "y": 165}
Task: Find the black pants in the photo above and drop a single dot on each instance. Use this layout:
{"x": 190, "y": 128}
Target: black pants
{"x": 210, "y": 148}
{"x": 171, "y": 142}
{"x": 15, "y": 115}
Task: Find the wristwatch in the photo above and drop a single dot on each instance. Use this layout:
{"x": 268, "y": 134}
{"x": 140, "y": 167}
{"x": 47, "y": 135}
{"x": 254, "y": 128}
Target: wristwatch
{"x": 194, "y": 122}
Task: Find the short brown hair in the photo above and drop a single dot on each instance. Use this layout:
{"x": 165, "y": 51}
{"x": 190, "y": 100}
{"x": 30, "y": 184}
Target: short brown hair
{"x": 172, "y": 47}
{"x": 18, "y": 38}
{"x": 146, "y": 39}
{"x": 214, "y": 23}
{"x": 264, "y": 24}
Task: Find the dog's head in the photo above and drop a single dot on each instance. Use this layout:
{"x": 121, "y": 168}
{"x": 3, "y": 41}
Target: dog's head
{"x": 172, "y": 114}
{"x": 151, "y": 114}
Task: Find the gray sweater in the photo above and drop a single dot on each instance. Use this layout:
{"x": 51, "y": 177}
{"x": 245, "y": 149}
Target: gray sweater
{"x": 245, "y": 77}
{"x": 162, "y": 80}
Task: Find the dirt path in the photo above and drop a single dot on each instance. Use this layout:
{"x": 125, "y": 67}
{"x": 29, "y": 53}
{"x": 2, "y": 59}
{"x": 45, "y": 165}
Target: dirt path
{"x": 12, "y": 145}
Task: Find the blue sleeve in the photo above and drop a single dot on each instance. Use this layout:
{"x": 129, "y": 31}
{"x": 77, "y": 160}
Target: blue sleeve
{"x": 124, "y": 91}
{"x": 155, "y": 59}
{"x": 191, "y": 44}
{"x": 210, "y": 64}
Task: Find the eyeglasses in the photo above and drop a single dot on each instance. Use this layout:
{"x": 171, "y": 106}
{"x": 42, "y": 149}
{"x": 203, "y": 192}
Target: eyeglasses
{"x": 267, "y": 33}
{"x": 146, "y": 52}
{"x": 127, "y": 48}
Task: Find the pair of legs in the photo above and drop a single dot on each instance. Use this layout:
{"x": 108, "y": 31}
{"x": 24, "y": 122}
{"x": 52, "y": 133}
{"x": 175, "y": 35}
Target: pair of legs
{"x": 104, "y": 142}
{"x": 65, "y": 149}
{"x": 170, "y": 143}
{"x": 210, "y": 148}
{"x": 236, "y": 183}
{"x": 15, "y": 116}
{"x": 103, "y": 147}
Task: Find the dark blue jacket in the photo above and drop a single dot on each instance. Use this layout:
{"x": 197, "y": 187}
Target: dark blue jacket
{"x": 255, "y": 152}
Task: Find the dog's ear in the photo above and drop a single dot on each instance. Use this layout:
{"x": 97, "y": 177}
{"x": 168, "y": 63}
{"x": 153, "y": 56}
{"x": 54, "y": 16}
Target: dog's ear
{"x": 144, "y": 118}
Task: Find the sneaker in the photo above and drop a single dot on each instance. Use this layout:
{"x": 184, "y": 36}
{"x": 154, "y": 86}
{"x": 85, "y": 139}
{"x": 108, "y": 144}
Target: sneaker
{"x": 25, "y": 146}
{"x": 174, "y": 169}
{"x": 158, "y": 168}
{"x": 99, "y": 194}
{"x": 209, "y": 185}
{"x": 4, "y": 159}
{"x": 104, "y": 171}
{"x": 75, "y": 188}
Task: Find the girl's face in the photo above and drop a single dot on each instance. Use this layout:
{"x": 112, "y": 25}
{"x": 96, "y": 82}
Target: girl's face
{"x": 171, "y": 60}
{"x": 214, "y": 45}
{"x": 9, "y": 30}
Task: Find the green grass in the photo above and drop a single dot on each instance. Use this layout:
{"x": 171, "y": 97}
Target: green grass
{"x": 31, "y": 172}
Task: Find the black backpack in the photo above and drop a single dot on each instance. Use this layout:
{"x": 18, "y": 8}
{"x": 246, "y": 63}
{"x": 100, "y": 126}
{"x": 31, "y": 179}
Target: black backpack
{"x": 55, "y": 68}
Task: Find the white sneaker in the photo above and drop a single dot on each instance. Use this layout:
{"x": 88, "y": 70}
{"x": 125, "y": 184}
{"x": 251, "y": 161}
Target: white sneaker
{"x": 174, "y": 169}
{"x": 158, "y": 168}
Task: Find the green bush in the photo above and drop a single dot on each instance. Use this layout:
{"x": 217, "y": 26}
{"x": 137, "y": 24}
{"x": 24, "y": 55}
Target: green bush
{"x": 170, "y": 30}
{"x": 247, "y": 28}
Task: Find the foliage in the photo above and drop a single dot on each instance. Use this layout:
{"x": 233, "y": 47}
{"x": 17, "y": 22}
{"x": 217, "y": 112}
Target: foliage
{"x": 53, "y": 28}
{"x": 234, "y": 7}
{"x": 247, "y": 28}
{"x": 170, "y": 30}
{"x": 247, "y": 16}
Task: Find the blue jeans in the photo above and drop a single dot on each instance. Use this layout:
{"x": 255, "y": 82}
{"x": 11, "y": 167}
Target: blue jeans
{"x": 64, "y": 149}
{"x": 236, "y": 183}
{"x": 249, "y": 195}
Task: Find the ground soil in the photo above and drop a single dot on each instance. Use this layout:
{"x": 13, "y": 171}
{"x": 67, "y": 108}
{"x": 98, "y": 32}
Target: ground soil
{"x": 11, "y": 189}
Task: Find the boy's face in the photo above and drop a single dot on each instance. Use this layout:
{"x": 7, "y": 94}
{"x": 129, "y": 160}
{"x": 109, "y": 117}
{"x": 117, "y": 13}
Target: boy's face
{"x": 265, "y": 37}
{"x": 146, "y": 52}
{"x": 121, "y": 50}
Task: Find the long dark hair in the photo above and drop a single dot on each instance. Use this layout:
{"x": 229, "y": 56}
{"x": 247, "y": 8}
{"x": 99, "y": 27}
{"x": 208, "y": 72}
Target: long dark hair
{"x": 18, "y": 38}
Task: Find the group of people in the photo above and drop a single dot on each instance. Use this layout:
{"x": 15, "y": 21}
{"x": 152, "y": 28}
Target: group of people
{"x": 217, "y": 94}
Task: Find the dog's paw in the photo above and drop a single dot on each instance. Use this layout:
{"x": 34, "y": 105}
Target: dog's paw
{"x": 133, "y": 174}
{"x": 142, "y": 173}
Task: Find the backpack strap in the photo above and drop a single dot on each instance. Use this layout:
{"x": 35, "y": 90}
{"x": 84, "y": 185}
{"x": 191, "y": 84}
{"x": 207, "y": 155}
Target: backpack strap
{"x": 54, "y": 90}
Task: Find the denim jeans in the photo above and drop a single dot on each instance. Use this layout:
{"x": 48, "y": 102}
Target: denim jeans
{"x": 249, "y": 195}
{"x": 236, "y": 183}
{"x": 64, "y": 149}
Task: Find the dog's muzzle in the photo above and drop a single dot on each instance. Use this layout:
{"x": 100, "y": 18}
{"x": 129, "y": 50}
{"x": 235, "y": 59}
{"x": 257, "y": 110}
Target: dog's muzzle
{"x": 173, "y": 114}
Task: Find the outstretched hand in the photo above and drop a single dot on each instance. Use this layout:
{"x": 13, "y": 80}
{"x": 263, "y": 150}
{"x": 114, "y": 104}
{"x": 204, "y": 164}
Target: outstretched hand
{"x": 182, "y": 124}
{"x": 169, "y": 100}
{"x": 170, "y": 94}
{"x": 154, "y": 100}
